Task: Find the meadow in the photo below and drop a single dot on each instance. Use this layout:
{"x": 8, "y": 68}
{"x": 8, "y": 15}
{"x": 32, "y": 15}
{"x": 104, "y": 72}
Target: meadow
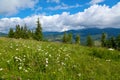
{"x": 35, "y": 60}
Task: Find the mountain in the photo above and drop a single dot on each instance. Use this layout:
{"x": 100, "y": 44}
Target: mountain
{"x": 94, "y": 32}
{"x": 2, "y": 34}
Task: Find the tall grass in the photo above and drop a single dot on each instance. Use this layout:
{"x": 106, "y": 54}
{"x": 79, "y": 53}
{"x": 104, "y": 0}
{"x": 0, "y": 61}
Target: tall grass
{"x": 33, "y": 60}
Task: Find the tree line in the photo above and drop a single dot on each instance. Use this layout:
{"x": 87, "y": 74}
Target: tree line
{"x": 112, "y": 42}
{"x": 25, "y": 33}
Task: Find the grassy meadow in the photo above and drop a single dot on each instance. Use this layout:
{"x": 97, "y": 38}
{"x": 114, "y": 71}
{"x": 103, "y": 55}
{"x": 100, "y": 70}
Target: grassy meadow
{"x": 33, "y": 60}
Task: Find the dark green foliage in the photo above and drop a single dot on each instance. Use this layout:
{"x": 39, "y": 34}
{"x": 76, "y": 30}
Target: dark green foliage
{"x": 118, "y": 42}
{"x": 11, "y": 33}
{"x": 67, "y": 38}
{"x": 70, "y": 38}
{"x": 89, "y": 41}
{"x": 113, "y": 42}
{"x": 17, "y": 32}
{"x": 77, "y": 39}
{"x": 38, "y": 32}
{"x": 25, "y": 33}
{"x": 103, "y": 40}
{"x": 105, "y": 54}
{"x": 64, "y": 38}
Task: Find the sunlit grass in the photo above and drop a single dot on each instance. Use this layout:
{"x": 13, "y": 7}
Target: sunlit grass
{"x": 33, "y": 60}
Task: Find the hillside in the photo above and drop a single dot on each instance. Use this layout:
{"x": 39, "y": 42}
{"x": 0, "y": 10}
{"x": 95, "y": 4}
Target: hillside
{"x": 33, "y": 60}
{"x": 94, "y": 32}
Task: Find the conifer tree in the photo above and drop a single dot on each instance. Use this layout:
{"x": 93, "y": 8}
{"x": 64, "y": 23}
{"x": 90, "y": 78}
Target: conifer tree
{"x": 11, "y": 33}
{"x": 77, "y": 39}
{"x": 64, "y": 38}
{"x": 38, "y": 32}
{"x": 25, "y": 32}
{"x": 103, "y": 40}
{"x": 17, "y": 31}
{"x": 89, "y": 41}
{"x": 21, "y": 32}
{"x": 113, "y": 42}
{"x": 118, "y": 42}
{"x": 69, "y": 38}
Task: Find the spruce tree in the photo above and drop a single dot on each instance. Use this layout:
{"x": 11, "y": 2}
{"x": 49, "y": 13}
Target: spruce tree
{"x": 77, "y": 39}
{"x": 103, "y": 40}
{"x": 17, "y": 31}
{"x": 69, "y": 38}
{"x": 64, "y": 38}
{"x": 113, "y": 42}
{"x": 38, "y": 32}
{"x": 89, "y": 41}
{"x": 11, "y": 33}
{"x": 25, "y": 32}
{"x": 118, "y": 42}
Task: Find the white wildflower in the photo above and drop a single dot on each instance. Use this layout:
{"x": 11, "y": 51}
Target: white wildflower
{"x": 49, "y": 55}
{"x": 108, "y": 60}
{"x": 63, "y": 63}
{"x": 11, "y": 47}
{"x": 46, "y": 65}
{"x": 1, "y": 69}
{"x": 79, "y": 74}
{"x": 46, "y": 53}
{"x": 17, "y": 49}
{"x": 8, "y": 61}
{"x": 111, "y": 49}
{"x": 20, "y": 68}
{"x": 25, "y": 70}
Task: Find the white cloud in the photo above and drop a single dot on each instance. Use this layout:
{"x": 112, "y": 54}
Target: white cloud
{"x": 63, "y": 7}
{"x": 95, "y": 16}
{"x": 9, "y": 7}
{"x": 96, "y": 1}
{"x": 56, "y": 1}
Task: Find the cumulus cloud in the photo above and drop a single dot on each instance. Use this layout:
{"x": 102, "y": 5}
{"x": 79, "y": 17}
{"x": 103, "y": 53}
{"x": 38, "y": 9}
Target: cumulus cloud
{"x": 99, "y": 16}
{"x": 9, "y": 7}
{"x": 63, "y": 7}
{"x": 56, "y": 1}
{"x": 96, "y": 1}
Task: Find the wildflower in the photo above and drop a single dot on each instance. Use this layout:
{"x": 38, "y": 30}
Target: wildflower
{"x": 8, "y": 61}
{"x": 25, "y": 70}
{"x": 63, "y": 63}
{"x": 1, "y": 69}
{"x": 110, "y": 49}
{"x": 53, "y": 72}
{"x": 46, "y": 65}
{"x": 108, "y": 60}
{"x": 28, "y": 47}
{"x": 46, "y": 53}
{"x": 20, "y": 68}
{"x": 39, "y": 49}
{"x": 79, "y": 74}
{"x": 11, "y": 47}
{"x": 24, "y": 56}
{"x": 49, "y": 55}
{"x": 47, "y": 60}
{"x": 17, "y": 49}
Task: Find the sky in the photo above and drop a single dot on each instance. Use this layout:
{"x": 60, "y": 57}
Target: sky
{"x": 60, "y": 15}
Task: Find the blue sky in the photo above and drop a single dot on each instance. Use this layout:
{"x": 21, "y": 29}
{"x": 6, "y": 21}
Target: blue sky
{"x": 60, "y": 15}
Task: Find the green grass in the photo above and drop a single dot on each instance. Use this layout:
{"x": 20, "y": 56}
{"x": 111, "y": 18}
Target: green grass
{"x": 33, "y": 60}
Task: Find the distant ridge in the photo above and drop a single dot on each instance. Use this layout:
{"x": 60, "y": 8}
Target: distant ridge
{"x": 94, "y": 32}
